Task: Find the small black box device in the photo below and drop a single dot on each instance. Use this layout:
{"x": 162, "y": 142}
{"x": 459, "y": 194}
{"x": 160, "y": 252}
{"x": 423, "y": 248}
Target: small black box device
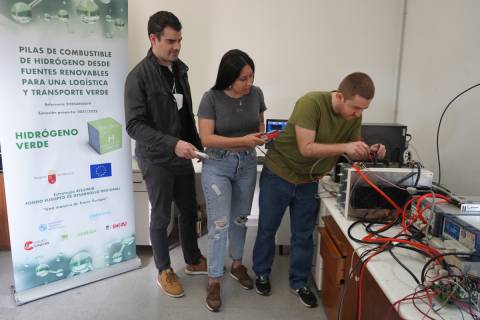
{"x": 392, "y": 135}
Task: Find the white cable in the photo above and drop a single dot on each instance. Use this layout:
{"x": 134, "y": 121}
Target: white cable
{"x": 312, "y": 167}
{"x": 381, "y": 178}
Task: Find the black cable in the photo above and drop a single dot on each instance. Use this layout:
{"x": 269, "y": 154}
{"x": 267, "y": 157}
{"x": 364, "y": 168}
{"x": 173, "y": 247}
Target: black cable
{"x": 350, "y": 228}
{"x": 344, "y": 291}
{"x": 469, "y": 305}
{"x": 416, "y": 307}
{"x": 404, "y": 246}
{"x": 393, "y": 223}
{"x": 409, "y": 136}
{"x": 349, "y": 233}
{"x": 461, "y": 311}
{"x": 418, "y": 173}
{"x": 389, "y": 248}
{"x": 451, "y": 298}
{"x": 386, "y": 247}
{"x": 403, "y": 266}
{"x": 440, "y": 122}
{"x": 369, "y": 225}
{"x": 361, "y": 261}
{"x": 408, "y": 176}
{"x": 436, "y": 257}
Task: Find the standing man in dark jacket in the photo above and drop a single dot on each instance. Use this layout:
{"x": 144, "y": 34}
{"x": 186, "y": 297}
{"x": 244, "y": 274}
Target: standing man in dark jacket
{"x": 158, "y": 108}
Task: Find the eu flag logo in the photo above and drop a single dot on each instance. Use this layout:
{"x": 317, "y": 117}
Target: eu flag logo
{"x": 100, "y": 170}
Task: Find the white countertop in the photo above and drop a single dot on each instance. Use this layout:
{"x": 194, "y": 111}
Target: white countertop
{"x": 395, "y": 281}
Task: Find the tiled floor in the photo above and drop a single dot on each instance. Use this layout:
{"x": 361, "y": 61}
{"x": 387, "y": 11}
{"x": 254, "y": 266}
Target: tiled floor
{"x": 135, "y": 295}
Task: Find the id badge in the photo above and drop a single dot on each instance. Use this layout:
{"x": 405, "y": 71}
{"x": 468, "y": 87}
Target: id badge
{"x": 179, "y": 100}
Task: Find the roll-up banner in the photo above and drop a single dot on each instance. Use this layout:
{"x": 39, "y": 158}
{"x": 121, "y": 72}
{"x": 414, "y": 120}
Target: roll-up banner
{"x": 66, "y": 157}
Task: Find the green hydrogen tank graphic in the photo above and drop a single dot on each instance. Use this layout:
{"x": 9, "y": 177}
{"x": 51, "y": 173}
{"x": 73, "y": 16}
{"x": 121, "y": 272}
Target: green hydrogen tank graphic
{"x": 42, "y": 270}
{"x": 21, "y": 12}
{"x": 63, "y": 15}
{"x": 105, "y": 135}
{"x": 119, "y": 23}
{"x": 88, "y": 11}
{"x": 81, "y": 263}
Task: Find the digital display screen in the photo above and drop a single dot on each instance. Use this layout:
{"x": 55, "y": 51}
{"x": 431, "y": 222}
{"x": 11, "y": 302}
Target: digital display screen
{"x": 275, "y": 125}
{"x": 451, "y": 229}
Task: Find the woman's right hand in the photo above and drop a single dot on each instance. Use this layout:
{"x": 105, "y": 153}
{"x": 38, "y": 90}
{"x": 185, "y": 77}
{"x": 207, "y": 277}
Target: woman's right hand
{"x": 252, "y": 140}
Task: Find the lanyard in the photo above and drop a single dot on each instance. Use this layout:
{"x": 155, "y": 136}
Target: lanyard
{"x": 174, "y": 88}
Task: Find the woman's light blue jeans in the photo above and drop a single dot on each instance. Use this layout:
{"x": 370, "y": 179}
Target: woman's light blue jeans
{"x": 228, "y": 182}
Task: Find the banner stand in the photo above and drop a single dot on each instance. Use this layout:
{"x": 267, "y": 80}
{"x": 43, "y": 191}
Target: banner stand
{"x": 77, "y": 281}
{"x": 65, "y": 152}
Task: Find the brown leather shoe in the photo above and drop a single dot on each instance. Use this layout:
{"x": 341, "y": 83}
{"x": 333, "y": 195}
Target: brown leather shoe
{"x": 240, "y": 274}
{"x": 213, "y": 297}
{"x": 200, "y": 268}
{"x": 168, "y": 281}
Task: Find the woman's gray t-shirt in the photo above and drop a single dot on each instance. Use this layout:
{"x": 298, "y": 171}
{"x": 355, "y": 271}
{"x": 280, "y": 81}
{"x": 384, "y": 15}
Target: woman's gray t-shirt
{"x": 234, "y": 117}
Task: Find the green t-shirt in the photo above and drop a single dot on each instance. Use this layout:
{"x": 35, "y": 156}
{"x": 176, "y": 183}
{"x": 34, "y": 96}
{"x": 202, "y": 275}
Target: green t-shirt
{"x": 313, "y": 111}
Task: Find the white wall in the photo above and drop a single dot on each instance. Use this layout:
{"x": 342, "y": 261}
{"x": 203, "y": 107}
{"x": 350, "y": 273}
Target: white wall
{"x": 297, "y": 46}
{"x": 441, "y": 59}
{"x": 306, "y": 45}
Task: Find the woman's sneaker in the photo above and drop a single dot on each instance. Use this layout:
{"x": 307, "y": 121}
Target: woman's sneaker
{"x": 306, "y": 296}
{"x": 213, "y": 301}
{"x": 262, "y": 284}
{"x": 240, "y": 274}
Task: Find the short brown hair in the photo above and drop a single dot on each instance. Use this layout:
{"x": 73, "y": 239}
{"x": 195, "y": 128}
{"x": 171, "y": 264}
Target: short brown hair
{"x": 160, "y": 20}
{"x": 357, "y": 83}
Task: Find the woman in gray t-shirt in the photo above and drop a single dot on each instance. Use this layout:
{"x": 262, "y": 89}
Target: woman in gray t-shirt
{"x": 230, "y": 118}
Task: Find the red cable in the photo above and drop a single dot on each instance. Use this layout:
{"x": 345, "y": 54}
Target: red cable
{"x": 387, "y": 240}
{"x": 429, "y": 250}
{"x": 359, "y": 171}
{"x": 428, "y": 195}
{"x": 404, "y": 213}
{"x": 361, "y": 280}
{"x": 411, "y": 296}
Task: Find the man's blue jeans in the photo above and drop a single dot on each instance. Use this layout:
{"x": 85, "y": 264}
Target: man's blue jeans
{"x": 228, "y": 182}
{"x": 276, "y": 194}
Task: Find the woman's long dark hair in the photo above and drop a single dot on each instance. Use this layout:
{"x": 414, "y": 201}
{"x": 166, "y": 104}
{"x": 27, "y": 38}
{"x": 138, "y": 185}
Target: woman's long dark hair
{"x": 230, "y": 67}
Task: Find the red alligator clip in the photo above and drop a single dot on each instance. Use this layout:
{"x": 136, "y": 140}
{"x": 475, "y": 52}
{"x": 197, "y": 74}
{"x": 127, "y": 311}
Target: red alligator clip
{"x": 269, "y": 135}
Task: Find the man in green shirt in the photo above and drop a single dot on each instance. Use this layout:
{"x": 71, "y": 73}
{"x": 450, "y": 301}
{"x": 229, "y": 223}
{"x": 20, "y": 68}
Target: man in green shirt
{"x": 323, "y": 126}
